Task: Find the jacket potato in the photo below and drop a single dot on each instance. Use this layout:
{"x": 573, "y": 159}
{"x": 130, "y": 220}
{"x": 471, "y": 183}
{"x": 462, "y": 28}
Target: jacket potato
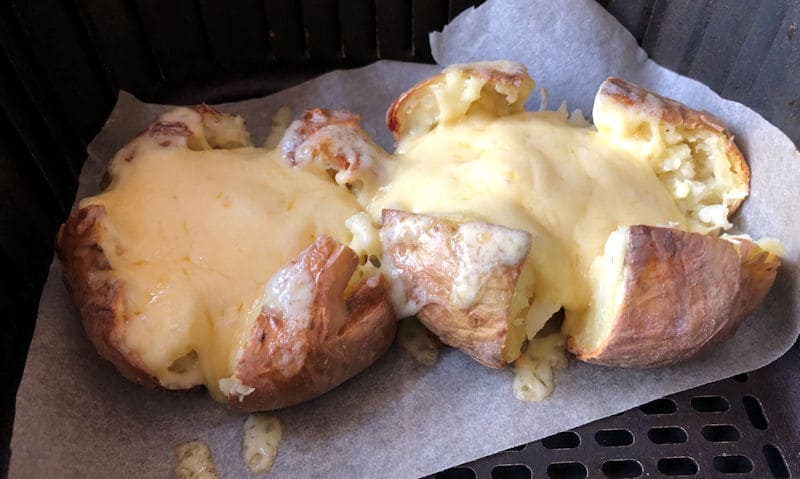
{"x": 203, "y": 263}
{"x": 653, "y": 182}
{"x": 660, "y": 295}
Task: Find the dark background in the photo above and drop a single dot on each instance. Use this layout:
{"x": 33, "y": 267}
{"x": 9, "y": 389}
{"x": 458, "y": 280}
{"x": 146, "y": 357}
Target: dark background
{"x": 62, "y": 63}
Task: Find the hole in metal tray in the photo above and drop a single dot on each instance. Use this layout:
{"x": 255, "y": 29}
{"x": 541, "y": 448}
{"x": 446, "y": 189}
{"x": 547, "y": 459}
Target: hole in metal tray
{"x": 614, "y": 437}
{"x": 562, "y": 440}
{"x": 659, "y": 406}
{"x": 567, "y": 470}
{"x": 667, "y": 435}
{"x": 733, "y": 464}
{"x": 741, "y": 378}
{"x": 456, "y": 473}
{"x": 710, "y": 404}
{"x": 677, "y": 466}
{"x": 513, "y": 471}
{"x": 755, "y": 411}
{"x": 776, "y": 462}
{"x": 622, "y": 468}
{"x": 721, "y": 433}
{"x": 516, "y": 448}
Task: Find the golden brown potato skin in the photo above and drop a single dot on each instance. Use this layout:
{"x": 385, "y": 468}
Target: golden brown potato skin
{"x": 430, "y": 266}
{"x": 672, "y": 112}
{"x": 346, "y": 335}
{"x": 94, "y": 291}
{"x": 680, "y": 291}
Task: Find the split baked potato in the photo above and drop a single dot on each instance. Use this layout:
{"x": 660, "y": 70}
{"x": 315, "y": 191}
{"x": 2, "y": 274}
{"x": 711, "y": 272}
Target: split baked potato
{"x": 661, "y": 295}
{"x": 202, "y": 263}
{"x": 618, "y": 214}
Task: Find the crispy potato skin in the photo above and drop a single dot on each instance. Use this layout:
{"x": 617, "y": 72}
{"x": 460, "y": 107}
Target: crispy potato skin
{"x": 672, "y": 112}
{"x": 396, "y": 114}
{"x": 344, "y": 338}
{"x": 680, "y": 289}
{"x": 94, "y": 291}
{"x": 479, "y": 330}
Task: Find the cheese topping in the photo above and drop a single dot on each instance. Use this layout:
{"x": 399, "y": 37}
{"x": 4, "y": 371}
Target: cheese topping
{"x": 191, "y": 236}
{"x": 536, "y": 172}
{"x": 480, "y": 251}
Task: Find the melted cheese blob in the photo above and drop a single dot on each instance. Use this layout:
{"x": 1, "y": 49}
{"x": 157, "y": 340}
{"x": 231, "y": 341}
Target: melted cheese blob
{"x": 535, "y": 172}
{"x": 192, "y": 236}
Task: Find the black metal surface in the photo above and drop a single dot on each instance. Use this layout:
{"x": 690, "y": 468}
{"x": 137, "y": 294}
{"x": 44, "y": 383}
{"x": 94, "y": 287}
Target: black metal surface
{"x": 61, "y": 63}
{"x": 745, "y": 426}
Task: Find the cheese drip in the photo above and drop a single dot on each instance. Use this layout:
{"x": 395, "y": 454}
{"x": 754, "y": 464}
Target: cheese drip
{"x": 536, "y": 172}
{"x": 192, "y": 237}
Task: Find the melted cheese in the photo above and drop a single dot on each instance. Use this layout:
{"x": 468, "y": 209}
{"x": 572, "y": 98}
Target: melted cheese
{"x": 195, "y": 236}
{"x": 260, "y": 440}
{"x": 534, "y": 370}
{"x": 538, "y": 173}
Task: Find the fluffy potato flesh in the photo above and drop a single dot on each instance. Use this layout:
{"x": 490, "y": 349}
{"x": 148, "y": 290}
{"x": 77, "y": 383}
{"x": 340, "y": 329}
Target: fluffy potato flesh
{"x": 660, "y": 295}
{"x": 170, "y": 263}
{"x": 458, "y": 278}
{"x": 691, "y": 151}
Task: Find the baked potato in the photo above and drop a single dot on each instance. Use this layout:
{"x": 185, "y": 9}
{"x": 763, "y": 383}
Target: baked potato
{"x": 660, "y": 295}
{"x": 467, "y": 153}
{"x": 203, "y": 263}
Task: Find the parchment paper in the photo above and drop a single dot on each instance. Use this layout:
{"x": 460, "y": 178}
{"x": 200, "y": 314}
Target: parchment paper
{"x": 76, "y": 417}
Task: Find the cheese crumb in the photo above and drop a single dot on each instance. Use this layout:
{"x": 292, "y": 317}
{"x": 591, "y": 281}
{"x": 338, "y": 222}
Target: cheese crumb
{"x": 194, "y": 461}
{"x": 262, "y": 435}
{"x": 232, "y": 386}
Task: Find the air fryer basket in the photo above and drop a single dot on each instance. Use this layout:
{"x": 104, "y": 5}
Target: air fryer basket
{"x": 63, "y": 62}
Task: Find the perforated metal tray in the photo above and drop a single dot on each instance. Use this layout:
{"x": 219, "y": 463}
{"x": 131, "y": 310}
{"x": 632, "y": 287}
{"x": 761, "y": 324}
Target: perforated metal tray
{"x": 746, "y": 426}
{"x": 62, "y": 62}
